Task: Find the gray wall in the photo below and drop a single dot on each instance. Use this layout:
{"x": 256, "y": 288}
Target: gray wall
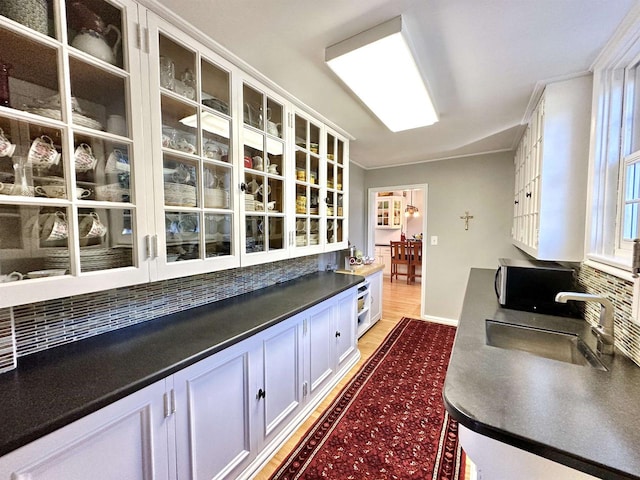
{"x": 483, "y": 185}
{"x": 357, "y": 206}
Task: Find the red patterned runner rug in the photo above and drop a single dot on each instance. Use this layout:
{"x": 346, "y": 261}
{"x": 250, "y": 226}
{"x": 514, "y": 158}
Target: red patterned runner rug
{"x": 389, "y": 422}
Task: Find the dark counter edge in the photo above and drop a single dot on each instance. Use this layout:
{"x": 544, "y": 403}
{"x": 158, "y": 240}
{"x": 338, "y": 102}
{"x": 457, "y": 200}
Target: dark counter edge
{"x": 7, "y": 446}
{"x": 578, "y": 463}
{"x": 565, "y": 458}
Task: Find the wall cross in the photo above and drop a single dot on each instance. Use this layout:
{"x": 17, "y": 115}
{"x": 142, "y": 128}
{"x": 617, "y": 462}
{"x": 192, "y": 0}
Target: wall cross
{"x": 466, "y": 217}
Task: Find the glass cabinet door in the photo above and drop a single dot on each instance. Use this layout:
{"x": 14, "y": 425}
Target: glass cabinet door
{"x": 336, "y": 163}
{"x": 264, "y": 170}
{"x": 193, "y": 128}
{"x": 68, "y": 165}
{"x": 307, "y": 184}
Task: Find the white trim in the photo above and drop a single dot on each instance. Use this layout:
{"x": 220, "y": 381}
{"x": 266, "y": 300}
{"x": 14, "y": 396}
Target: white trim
{"x": 452, "y": 157}
{"x": 606, "y": 265}
{"x": 441, "y": 320}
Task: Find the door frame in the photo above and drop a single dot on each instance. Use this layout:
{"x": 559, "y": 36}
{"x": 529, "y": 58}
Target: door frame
{"x": 371, "y": 222}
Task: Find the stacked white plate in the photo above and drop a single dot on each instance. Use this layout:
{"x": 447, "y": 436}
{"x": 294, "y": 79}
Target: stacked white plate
{"x": 91, "y": 258}
{"x": 179, "y": 194}
{"x": 78, "y": 118}
{"x": 249, "y": 202}
{"x": 216, "y": 198}
{"x": 301, "y": 240}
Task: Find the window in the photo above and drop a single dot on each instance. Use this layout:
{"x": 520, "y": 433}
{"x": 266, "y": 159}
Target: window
{"x": 614, "y": 214}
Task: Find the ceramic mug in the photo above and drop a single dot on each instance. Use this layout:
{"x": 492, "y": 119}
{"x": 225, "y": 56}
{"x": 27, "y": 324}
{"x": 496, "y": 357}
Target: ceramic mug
{"x": 252, "y": 187}
{"x": 6, "y": 147}
{"x": 273, "y": 168}
{"x": 117, "y": 162}
{"x": 11, "y": 277}
{"x": 92, "y": 227}
{"x": 84, "y": 158}
{"x": 54, "y": 227}
{"x": 43, "y": 152}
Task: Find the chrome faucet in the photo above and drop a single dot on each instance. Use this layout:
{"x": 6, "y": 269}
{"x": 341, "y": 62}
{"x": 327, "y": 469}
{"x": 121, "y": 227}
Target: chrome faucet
{"x": 604, "y": 330}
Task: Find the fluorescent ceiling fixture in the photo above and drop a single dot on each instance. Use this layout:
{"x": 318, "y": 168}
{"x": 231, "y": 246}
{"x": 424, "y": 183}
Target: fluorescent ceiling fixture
{"x": 380, "y": 69}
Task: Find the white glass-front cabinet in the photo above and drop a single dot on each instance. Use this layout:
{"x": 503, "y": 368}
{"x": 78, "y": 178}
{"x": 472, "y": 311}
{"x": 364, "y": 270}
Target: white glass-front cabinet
{"x": 72, "y": 216}
{"x": 193, "y": 138}
{"x": 337, "y": 179}
{"x": 309, "y": 178}
{"x": 265, "y": 171}
{"x": 130, "y": 152}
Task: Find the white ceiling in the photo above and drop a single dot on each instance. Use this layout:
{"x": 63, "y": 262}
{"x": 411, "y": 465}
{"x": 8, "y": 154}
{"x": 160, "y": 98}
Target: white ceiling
{"x": 482, "y": 58}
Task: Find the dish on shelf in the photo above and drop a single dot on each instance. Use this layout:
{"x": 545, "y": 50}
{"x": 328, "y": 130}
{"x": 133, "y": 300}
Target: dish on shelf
{"x": 77, "y": 118}
{"x": 179, "y": 194}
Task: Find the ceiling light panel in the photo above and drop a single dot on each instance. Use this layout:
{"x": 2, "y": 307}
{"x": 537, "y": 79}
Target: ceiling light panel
{"x": 378, "y": 66}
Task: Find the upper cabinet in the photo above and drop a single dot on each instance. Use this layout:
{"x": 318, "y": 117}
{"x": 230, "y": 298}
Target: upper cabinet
{"x": 551, "y": 174}
{"x": 71, "y": 182}
{"x": 192, "y": 117}
{"x": 130, "y": 152}
{"x": 389, "y": 212}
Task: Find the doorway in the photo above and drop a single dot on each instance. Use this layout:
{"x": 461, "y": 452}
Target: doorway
{"x": 381, "y": 230}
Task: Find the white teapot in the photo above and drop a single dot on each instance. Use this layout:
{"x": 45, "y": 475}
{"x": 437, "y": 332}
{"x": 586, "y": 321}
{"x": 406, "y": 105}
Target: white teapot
{"x": 95, "y": 43}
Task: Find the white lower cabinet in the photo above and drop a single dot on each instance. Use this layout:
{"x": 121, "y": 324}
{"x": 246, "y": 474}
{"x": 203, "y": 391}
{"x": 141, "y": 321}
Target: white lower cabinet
{"x": 127, "y": 439}
{"x": 222, "y": 417}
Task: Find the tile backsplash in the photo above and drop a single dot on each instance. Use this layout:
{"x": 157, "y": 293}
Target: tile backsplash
{"x": 620, "y": 292}
{"x": 33, "y": 327}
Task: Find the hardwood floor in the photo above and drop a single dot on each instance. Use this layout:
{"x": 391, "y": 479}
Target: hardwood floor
{"x": 399, "y": 300}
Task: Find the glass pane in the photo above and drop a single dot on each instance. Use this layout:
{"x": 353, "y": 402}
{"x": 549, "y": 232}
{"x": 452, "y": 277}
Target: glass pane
{"x": 215, "y": 88}
{"x": 254, "y": 230}
{"x": 177, "y": 67}
{"x": 314, "y": 137}
{"x": 301, "y": 231}
{"x": 105, "y": 238}
{"x": 314, "y": 200}
{"x": 301, "y": 166}
{"x": 217, "y": 183}
{"x": 34, "y": 85}
{"x": 276, "y": 233}
{"x": 95, "y": 27}
{"x": 98, "y": 98}
{"x": 274, "y": 118}
{"x": 331, "y": 154}
{"x": 275, "y": 199}
{"x": 217, "y": 229}
{"x": 630, "y": 228}
{"x": 182, "y": 232}
{"x": 37, "y": 15}
{"x": 340, "y": 211}
{"x": 340, "y": 159}
{"x": 253, "y": 113}
{"x": 179, "y": 130}
{"x": 632, "y": 190}
{"x": 339, "y": 231}
{"x": 331, "y": 231}
{"x": 215, "y": 136}
{"x": 339, "y": 171}
{"x": 180, "y": 180}
{"x": 111, "y": 179}
{"x": 301, "y": 199}
{"x": 253, "y": 150}
{"x": 30, "y": 156}
{"x": 275, "y": 157}
{"x": 314, "y": 232}
{"x": 301, "y": 132}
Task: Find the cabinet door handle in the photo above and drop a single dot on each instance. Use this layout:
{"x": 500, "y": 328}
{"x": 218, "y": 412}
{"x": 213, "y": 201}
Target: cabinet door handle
{"x": 528, "y": 195}
{"x": 516, "y": 202}
{"x": 337, "y": 334}
{"x": 243, "y": 187}
{"x": 261, "y": 394}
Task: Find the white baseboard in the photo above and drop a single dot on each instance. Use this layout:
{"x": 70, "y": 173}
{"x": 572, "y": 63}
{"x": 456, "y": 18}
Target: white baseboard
{"x": 446, "y": 321}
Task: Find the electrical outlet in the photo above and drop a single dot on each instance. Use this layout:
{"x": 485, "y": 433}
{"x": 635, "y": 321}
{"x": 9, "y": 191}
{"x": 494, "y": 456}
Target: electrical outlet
{"x": 434, "y": 240}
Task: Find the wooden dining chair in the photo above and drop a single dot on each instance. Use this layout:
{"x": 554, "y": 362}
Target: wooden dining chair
{"x": 415, "y": 261}
{"x": 399, "y": 256}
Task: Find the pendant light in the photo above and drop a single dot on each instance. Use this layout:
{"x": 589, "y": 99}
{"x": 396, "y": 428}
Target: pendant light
{"x": 411, "y": 210}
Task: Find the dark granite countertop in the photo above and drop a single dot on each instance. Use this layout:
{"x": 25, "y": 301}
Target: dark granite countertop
{"x": 581, "y": 417}
{"x": 51, "y": 389}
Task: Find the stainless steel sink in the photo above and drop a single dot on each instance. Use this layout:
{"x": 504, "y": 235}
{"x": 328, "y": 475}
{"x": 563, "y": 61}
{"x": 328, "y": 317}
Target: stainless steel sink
{"x": 564, "y": 347}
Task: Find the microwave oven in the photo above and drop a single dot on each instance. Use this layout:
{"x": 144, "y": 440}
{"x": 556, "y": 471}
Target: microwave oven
{"x": 532, "y": 285}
